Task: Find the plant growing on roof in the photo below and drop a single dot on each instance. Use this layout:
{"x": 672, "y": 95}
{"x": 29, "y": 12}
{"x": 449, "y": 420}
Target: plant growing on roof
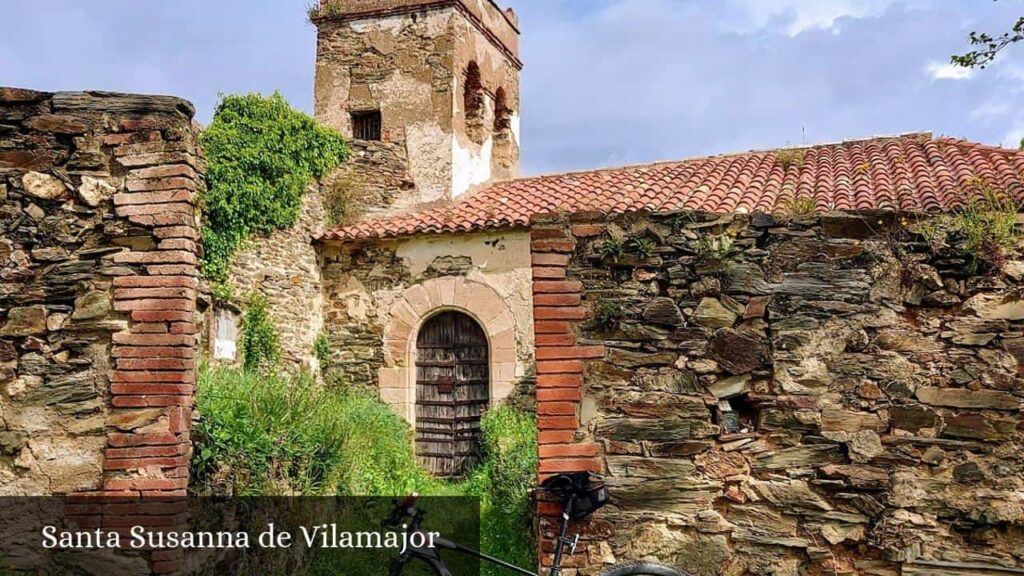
{"x": 261, "y": 157}
{"x": 790, "y": 157}
{"x": 798, "y": 207}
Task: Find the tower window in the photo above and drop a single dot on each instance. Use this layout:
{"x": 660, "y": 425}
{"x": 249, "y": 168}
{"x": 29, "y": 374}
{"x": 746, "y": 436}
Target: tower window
{"x": 473, "y": 103}
{"x": 366, "y": 125}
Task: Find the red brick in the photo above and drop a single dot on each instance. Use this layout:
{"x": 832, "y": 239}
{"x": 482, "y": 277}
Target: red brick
{"x": 554, "y": 340}
{"x": 557, "y": 313}
{"x": 156, "y": 257}
{"x": 553, "y": 509}
{"x": 169, "y": 292}
{"x": 153, "y": 352}
{"x": 569, "y": 450}
{"x": 556, "y": 409}
{"x": 154, "y": 339}
{"x": 155, "y": 209}
{"x": 163, "y": 172}
{"x": 150, "y": 401}
{"x": 556, "y": 299}
{"x": 548, "y": 327}
{"x": 557, "y": 423}
{"x": 162, "y": 315}
{"x": 145, "y": 452}
{"x": 541, "y": 233}
{"x": 569, "y": 352}
{"x": 173, "y": 219}
{"x": 149, "y": 327}
{"x": 570, "y": 465}
{"x": 550, "y": 259}
{"x": 166, "y": 493}
{"x": 155, "y": 282}
{"x": 548, "y": 273}
{"x": 155, "y": 364}
{"x": 141, "y": 198}
{"x": 178, "y": 244}
{"x": 556, "y": 380}
{"x": 559, "y": 367}
{"x": 587, "y": 230}
{"x": 553, "y": 245}
{"x": 558, "y": 395}
{"x": 136, "y": 463}
{"x": 555, "y": 436}
{"x": 184, "y": 328}
{"x": 181, "y": 376}
{"x": 165, "y": 388}
{"x": 181, "y": 419}
{"x": 171, "y": 269}
{"x": 180, "y": 304}
{"x": 118, "y": 440}
{"x": 557, "y": 286}
{"x": 168, "y": 183}
{"x": 176, "y": 232}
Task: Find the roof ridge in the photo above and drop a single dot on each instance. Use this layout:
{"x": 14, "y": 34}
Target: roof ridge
{"x": 918, "y": 134}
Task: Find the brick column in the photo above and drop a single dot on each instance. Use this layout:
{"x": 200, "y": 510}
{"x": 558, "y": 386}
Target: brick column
{"x": 561, "y": 359}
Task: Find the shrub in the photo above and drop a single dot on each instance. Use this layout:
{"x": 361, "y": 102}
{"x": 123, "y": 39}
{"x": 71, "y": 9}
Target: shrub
{"x": 264, "y": 434}
{"x": 503, "y": 483}
{"x": 260, "y": 342}
{"x": 261, "y": 156}
{"x": 268, "y": 434}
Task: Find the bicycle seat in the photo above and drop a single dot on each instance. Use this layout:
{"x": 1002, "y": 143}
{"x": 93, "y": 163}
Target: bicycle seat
{"x": 590, "y": 492}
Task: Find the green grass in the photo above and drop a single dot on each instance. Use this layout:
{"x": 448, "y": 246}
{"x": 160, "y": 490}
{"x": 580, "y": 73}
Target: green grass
{"x": 262, "y": 434}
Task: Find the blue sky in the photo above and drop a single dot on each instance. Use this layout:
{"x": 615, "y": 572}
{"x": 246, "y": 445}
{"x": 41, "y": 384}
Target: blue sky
{"x": 606, "y": 82}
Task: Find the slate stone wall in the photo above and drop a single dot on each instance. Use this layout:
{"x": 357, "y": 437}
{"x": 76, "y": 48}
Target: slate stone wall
{"x": 97, "y": 295}
{"x": 781, "y": 397}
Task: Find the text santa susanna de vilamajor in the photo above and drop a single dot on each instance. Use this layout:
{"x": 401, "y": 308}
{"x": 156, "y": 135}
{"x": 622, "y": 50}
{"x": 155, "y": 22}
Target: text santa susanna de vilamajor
{"x": 319, "y": 536}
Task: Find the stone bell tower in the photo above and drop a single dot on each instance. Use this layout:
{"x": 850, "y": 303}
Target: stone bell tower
{"x": 427, "y": 91}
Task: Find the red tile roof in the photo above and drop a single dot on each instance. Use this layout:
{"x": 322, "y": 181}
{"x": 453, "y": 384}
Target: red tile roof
{"x": 908, "y": 173}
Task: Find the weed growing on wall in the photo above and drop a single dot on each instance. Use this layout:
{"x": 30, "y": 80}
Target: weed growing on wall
{"x": 608, "y": 314}
{"x": 261, "y": 348}
{"x": 982, "y": 230}
{"x": 261, "y": 157}
{"x": 322, "y": 351}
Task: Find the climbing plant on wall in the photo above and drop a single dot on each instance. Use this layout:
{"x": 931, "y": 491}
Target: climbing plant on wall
{"x": 261, "y": 157}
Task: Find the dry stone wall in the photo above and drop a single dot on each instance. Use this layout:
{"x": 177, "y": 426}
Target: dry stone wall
{"x": 97, "y": 295}
{"x": 781, "y": 397}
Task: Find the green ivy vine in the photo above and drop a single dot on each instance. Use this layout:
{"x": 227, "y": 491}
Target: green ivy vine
{"x": 261, "y": 156}
{"x": 261, "y": 348}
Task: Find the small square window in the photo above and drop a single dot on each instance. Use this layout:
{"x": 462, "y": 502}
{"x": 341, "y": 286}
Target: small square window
{"x": 366, "y": 125}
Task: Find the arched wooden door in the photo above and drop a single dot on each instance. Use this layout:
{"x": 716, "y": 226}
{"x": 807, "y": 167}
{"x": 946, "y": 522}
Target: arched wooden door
{"x": 452, "y": 382}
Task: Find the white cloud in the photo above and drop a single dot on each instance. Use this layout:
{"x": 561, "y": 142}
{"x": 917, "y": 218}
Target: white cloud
{"x": 940, "y": 71}
{"x": 796, "y": 16}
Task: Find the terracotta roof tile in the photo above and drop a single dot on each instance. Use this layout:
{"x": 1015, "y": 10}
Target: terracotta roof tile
{"x": 910, "y": 173}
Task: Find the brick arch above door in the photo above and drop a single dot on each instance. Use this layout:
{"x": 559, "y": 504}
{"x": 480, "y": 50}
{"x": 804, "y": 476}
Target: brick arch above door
{"x": 418, "y": 303}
